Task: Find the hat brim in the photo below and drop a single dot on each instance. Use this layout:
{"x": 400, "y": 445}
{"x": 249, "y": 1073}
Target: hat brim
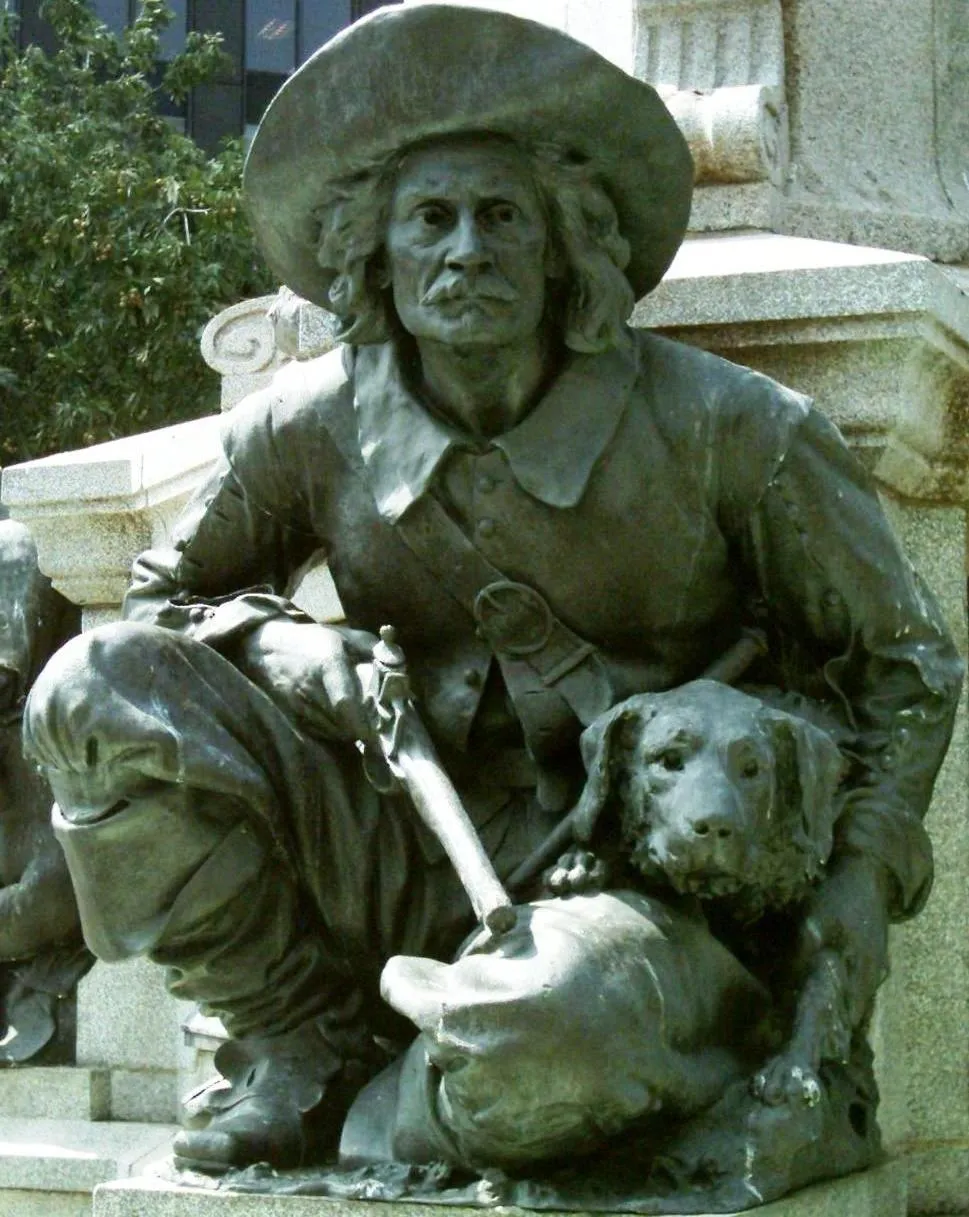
{"x": 410, "y": 73}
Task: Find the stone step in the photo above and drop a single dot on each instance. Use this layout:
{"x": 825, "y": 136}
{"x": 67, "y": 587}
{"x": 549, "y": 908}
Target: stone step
{"x": 876, "y": 1193}
{"x": 64, "y": 1092}
{"x": 49, "y": 1168}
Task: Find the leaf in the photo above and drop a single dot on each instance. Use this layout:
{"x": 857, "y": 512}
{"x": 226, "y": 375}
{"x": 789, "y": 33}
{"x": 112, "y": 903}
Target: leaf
{"x": 101, "y": 299}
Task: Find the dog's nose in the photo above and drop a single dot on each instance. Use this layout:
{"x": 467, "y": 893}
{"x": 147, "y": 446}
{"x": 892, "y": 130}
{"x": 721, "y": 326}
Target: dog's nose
{"x": 716, "y": 827}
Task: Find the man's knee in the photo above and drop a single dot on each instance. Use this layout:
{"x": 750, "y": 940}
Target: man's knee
{"x": 85, "y": 667}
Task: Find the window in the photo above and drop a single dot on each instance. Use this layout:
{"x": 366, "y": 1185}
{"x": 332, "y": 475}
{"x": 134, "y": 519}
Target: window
{"x": 271, "y": 36}
{"x": 264, "y": 39}
{"x": 320, "y": 20}
{"x": 173, "y": 39}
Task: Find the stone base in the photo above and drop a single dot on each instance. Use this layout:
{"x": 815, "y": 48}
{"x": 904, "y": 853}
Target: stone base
{"x": 875, "y": 1193}
{"x": 63, "y": 1092}
{"x": 49, "y": 1168}
{"x": 149, "y": 1096}
{"x": 938, "y": 1180}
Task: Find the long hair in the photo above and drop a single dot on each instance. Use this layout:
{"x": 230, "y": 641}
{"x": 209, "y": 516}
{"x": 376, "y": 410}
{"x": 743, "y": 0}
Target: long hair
{"x": 591, "y": 302}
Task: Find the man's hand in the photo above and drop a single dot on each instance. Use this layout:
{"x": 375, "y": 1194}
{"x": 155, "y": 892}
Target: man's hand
{"x": 309, "y": 672}
{"x": 848, "y": 915}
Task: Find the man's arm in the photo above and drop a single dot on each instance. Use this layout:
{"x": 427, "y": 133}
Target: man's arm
{"x": 227, "y": 569}
{"x": 236, "y": 552}
{"x": 831, "y": 575}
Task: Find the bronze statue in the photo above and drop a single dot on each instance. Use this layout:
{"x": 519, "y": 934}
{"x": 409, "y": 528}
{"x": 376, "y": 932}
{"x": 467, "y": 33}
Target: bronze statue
{"x": 556, "y": 513}
{"x": 42, "y": 956}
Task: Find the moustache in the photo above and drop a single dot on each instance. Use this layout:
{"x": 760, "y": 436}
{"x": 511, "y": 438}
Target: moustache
{"x": 486, "y": 287}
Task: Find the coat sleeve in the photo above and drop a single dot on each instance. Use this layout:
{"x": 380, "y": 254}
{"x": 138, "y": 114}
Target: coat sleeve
{"x": 243, "y": 540}
{"x": 830, "y": 573}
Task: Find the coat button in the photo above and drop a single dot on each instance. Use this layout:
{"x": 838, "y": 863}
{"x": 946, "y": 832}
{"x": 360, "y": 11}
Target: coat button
{"x": 472, "y": 678}
{"x": 485, "y": 483}
{"x": 487, "y": 528}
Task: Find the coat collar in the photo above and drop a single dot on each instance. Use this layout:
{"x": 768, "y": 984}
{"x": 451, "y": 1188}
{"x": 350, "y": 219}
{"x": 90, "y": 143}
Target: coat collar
{"x": 551, "y": 452}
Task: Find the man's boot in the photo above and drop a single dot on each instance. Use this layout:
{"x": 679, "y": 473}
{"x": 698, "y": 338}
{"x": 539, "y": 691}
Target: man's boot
{"x": 283, "y": 1101}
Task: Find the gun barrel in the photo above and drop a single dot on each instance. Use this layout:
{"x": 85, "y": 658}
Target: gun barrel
{"x": 413, "y": 761}
{"x": 439, "y": 806}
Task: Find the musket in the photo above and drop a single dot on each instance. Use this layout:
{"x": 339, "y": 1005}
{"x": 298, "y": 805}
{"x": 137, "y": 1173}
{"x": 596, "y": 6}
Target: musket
{"x": 412, "y": 760}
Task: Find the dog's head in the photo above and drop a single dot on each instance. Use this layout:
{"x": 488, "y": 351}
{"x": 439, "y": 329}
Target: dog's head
{"x": 715, "y": 790}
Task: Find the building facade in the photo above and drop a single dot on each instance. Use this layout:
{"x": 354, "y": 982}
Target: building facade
{"x": 264, "y": 40}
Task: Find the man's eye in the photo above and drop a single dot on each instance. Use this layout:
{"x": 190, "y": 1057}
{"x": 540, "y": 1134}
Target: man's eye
{"x": 433, "y": 216}
{"x": 670, "y": 759}
{"x": 503, "y": 213}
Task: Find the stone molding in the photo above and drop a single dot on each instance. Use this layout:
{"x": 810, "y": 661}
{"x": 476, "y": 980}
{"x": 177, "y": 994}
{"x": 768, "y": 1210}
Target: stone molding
{"x": 240, "y": 344}
{"x": 248, "y": 341}
{"x": 91, "y": 511}
{"x": 708, "y": 44}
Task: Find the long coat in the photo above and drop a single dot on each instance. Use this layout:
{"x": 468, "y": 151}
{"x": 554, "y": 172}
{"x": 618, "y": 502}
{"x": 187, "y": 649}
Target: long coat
{"x": 658, "y": 498}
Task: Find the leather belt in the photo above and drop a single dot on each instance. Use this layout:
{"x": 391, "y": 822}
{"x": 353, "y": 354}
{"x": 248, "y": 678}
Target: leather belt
{"x": 553, "y": 676}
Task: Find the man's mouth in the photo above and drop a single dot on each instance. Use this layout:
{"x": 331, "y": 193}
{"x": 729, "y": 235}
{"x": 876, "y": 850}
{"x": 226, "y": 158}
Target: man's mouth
{"x": 462, "y": 292}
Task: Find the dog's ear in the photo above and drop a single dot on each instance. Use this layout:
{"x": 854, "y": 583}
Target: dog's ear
{"x": 603, "y": 745}
{"x": 810, "y": 768}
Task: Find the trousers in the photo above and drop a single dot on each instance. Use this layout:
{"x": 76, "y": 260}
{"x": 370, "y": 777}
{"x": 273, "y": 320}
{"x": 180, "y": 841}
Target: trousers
{"x": 206, "y": 830}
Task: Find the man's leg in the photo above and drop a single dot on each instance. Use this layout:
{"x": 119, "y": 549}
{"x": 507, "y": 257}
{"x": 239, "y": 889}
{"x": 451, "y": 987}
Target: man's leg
{"x": 183, "y": 798}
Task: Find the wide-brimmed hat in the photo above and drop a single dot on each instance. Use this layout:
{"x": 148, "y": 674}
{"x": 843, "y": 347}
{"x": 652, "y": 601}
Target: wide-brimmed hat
{"x": 410, "y": 73}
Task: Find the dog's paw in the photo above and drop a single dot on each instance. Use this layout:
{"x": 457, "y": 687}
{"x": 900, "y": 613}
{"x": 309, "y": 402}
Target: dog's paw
{"x": 787, "y": 1079}
{"x": 576, "y": 872}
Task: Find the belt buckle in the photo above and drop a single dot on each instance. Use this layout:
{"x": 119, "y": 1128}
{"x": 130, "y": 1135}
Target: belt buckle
{"x": 513, "y": 617}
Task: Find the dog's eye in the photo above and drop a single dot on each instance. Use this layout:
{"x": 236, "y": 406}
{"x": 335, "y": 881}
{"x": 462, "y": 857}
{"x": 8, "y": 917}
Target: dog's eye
{"x": 671, "y": 759}
{"x": 750, "y": 769}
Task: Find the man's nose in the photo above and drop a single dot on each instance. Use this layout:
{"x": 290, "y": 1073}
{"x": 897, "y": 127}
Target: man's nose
{"x": 468, "y": 248}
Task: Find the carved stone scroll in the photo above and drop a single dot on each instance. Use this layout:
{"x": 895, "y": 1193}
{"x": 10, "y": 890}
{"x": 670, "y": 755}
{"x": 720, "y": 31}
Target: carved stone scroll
{"x": 736, "y": 134}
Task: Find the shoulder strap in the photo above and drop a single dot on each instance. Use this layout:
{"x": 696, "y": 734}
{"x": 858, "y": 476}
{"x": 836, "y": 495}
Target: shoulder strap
{"x": 552, "y": 675}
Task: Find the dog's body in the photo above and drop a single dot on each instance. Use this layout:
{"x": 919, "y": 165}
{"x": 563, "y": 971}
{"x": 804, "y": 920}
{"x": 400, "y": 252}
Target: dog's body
{"x": 725, "y": 797}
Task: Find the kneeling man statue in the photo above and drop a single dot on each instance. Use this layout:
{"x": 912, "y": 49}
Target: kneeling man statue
{"x": 556, "y": 513}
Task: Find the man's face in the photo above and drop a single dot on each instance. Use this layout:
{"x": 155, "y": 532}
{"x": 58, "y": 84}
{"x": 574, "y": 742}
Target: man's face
{"x": 466, "y": 245}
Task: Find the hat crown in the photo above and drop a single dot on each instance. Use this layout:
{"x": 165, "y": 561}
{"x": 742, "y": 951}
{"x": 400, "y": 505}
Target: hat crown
{"x": 412, "y": 73}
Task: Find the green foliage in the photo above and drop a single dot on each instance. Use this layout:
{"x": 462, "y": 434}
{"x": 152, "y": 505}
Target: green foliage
{"x": 119, "y": 237}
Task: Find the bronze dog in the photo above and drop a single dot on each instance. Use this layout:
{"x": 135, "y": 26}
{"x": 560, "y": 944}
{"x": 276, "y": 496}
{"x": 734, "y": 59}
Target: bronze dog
{"x": 727, "y": 798}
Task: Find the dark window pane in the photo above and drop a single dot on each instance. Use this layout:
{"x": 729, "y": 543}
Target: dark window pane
{"x": 173, "y": 39}
{"x": 216, "y": 112}
{"x": 261, "y": 88}
{"x": 34, "y": 30}
{"x": 271, "y": 35}
{"x": 114, "y": 13}
{"x": 319, "y": 20}
{"x": 361, "y": 7}
{"x": 225, "y": 17}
